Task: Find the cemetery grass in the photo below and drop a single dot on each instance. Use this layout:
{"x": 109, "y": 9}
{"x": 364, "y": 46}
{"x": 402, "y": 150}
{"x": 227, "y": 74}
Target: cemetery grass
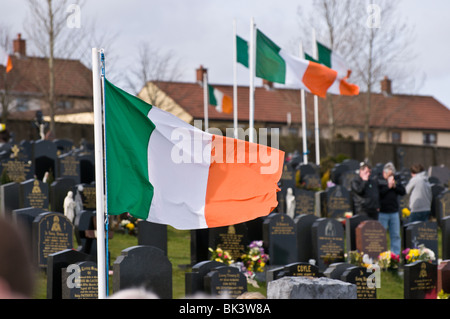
{"x": 391, "y": 286}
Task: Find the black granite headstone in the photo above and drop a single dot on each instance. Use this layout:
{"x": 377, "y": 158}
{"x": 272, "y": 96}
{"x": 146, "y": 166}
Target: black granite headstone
{"x": 52, "y": 232}
{"x": 69, "y": 167}
{"x": 304, "y": 201}
{"x": 152, "y": 234}
{"x": 420, "y": 280}
{"x": 445, "y": 226}
{"x": 422, "y": 233}
{"x": 233, "y": 238}
{"x": 34, "y": 193}
{"x": 288, "y": 177}
{"x": 87, "y": 167}
{"x": 87, "y": 196}
{"x": 225, "y": 281}
{"x": 443, "y": 205}
{"x": 199, "y": 245}
{"x": 24, "y": 218}
{"x": 55, "y": 263}
{"x": 85, "y": 222}
{"x": 80, "y": 281}
{"x": 350, "y": 227}
{"x": 359, "y": 277}
{"x": 299, "y": 269}
{"x": 328, "y": 242}
{"x": 303, "y": 224}
{"x": 143, "y": 266}
{"x": 280, "y": 239}
{"x": 335, "y": 270}
{"x": 335, "y": 202}
{"x": 194, "y": 281}
{"x": 44, "y": 158}
{"x": 9, "y": 198}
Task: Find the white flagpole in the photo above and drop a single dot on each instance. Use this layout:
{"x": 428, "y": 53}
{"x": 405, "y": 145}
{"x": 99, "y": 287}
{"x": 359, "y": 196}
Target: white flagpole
{"x": 235, "y": 103}
{"x": 303, "y": 106}
{"x": 99, "y": 174}
{"x": 316, "y": 104}
{"x": 205, "y": 100}
{"x": 252, "y": 79}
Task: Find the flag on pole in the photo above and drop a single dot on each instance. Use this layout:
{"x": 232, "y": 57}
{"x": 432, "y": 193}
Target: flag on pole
{"x": 163, "y": 170}
{"x": 222, "y": 102}
{"x": 330, "y": 59}
{"x": 276, "y": 65}
{"x": 5, "y": 60}
{"x": 242, "y": 51}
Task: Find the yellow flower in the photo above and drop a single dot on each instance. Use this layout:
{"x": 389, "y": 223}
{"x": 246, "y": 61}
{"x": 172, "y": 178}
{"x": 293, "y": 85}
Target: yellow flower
{"x": 406, "y": 212}
{"x": 130, "y": 226}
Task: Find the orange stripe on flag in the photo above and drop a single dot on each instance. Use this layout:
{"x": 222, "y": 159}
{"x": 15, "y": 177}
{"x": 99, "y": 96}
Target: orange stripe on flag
{"x": 227, "y": 104}
{"x": 318, "y": 78}
{"x": 9, "y": 65}
{"x": 347, "y": 88}
{"x": 237, "y": 189}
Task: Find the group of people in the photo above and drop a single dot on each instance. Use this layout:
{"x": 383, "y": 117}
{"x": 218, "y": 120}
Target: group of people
{"x": 376, "y": 196}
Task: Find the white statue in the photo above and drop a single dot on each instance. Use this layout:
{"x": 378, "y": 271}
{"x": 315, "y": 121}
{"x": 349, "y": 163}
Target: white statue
{"x": 69, "y": 206}
{"x": 290, "y": 203}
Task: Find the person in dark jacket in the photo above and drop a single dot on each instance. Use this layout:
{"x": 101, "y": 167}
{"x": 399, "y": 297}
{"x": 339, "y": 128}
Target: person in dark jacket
{"x": 390, "y": 188}
{"x": 365, "y": 195}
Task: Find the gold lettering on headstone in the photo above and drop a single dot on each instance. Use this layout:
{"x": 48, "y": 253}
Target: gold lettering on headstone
{"x": 36, "y": 198}
{"x": 53, "y": 237}
{"x": 282, "y": 227}
{"x": 69, "y": 165}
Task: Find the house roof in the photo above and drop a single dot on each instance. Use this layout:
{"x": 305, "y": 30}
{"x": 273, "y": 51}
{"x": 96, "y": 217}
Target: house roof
{"x": 30, "y": 76}
{"x": 272, "y": 105}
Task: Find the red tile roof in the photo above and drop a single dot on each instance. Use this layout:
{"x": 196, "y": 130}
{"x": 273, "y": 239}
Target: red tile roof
{"x": 30, "y": 76}
{"x": 272, "y": 106}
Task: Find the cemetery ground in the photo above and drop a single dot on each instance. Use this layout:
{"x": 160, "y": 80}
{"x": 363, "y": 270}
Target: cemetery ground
{"x": 179, "y": 256}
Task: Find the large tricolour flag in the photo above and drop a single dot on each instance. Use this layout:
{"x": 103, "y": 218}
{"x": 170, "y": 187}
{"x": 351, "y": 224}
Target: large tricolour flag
{"x": 163, "y": 170}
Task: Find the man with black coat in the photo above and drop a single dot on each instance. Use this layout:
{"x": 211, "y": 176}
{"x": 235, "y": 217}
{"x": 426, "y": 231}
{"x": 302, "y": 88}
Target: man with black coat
{"x": 365, "y": 193}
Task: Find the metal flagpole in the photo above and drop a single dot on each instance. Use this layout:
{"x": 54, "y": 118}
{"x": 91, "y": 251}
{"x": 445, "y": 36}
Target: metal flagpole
{"x": 316, "y": 104}
{"x": 303, "y": 106}
{"x": 205, "y": 100}
{"x": 252, "y": 79}
{"x": 235, "y": 103}
{"x": 99, "y": 176}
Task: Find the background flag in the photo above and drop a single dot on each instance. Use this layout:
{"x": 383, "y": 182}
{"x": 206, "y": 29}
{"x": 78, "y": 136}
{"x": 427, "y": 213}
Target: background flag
{"x": 5, "y": 60}
{"x": 222, "y": 102}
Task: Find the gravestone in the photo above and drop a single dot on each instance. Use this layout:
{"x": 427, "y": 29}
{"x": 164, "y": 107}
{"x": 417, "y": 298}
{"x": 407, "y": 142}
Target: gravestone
{"x": 56, "y": 262}
{"x": 199, "y": 245}
{"x": 44, "y": 158}
{"x": 425, "y": 233}
{"x": 328, "y": 242}
{"x": 85, "y": 222}
{"x": 298, "y": 269}
{"x": 225, "y": 281}
{"x": 304, "y": 201}
{"x": 9, "y": 198}
{"x": 359, "y": 277}
{"x": 86, "y": 159}
{"x": 255, "y": 229}
{"x": 335, "y": 202}
{"x": 233, "y": 238}
{"x": 63, "y": 146}
{"x": 287, "y": 177}
{"x": 303, "y": 224}
{"x": 346, "y": 179}
{"x": 443, "y": 276}
{"x": 350, "y": 228}
{"x": 34, "y": 193}
{"x": 58, "y": 192}
{"x": 442, "y": 173}
{"x": 436, "y": 190}
{"x": 371, "y": 238}
{"x": 420, "y": 280}
{"x": 143, "y": 266}
{"x": 280, "y": 239}
{"x": 24, "y": 218}
{"x": 51, "y": 232}
{"x": 445, "y": 227}
{"x": 194, "y": 281}
{"x": 85, "y": 286}
{"x": 443, "y": 205}
{"x": 69, "y": 167}
{"x": 18, "y": 167}
{"x": 152, "y": 234}
{"x": 87, "y": 196}
{"x": 335, "y": 270}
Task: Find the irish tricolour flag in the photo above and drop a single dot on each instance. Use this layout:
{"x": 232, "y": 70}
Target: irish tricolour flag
{"x": 223, "y": 103}
{"x": 5, "y": 60}
{"x": 163, "y": 170}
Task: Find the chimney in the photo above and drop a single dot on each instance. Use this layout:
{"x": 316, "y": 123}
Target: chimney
{"x": 386, "y": 88}
{"x": 19, "y": 46}
{"x": 200, "y": 71}
{"x": 267, "y": 84}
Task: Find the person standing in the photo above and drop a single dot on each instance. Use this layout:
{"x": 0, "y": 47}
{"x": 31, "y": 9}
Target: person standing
{"x": 365, "y": 195}
{"x": 420, "y": 196}
{"x": 389, "y": 189}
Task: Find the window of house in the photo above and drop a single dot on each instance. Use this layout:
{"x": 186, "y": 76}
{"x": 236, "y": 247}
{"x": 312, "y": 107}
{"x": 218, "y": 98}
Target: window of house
{"x": 21, "y": 104}
{"x": 64, "y": 105}
{"x": 429, "y": 138}
{"x": 361, "y": 136}
{"x": 396, "y": 137}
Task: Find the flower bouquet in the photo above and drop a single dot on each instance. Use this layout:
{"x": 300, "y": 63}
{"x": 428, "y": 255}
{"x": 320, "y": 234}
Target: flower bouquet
{"x": 221, "y": 256}
{"x": 253, "y": 261}
{"x": 388, "y": 260}
{"x": 421, "y": 253}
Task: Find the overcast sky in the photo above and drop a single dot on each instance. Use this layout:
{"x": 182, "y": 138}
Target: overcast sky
{"x": 199, "y": 32}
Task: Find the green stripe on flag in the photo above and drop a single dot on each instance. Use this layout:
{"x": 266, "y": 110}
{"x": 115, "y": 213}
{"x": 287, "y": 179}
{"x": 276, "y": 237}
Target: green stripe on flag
{"x": 128, "y": 131}
{"x": 269, "y": 64}
{"x": 324, "y": 54}
{"x": 242, "y": 51}
{"x": 212, "y": 97}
